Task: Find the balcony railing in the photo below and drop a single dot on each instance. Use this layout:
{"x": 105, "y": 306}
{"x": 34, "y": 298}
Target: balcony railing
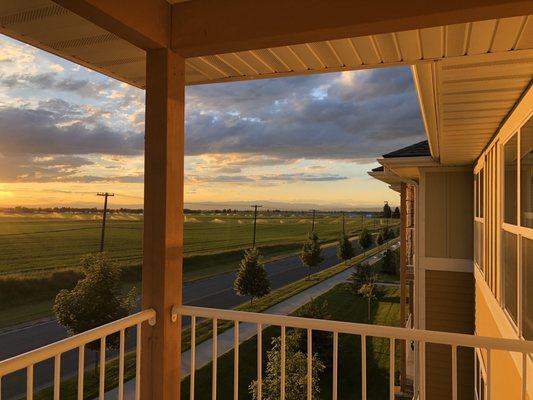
{"x": 55, "y": 350}
{"x": 421, "y": 338}
{"x": 261, "y": 321}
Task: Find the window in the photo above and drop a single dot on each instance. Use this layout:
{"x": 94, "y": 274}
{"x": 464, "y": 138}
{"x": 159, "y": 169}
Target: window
{"x": 510, "y": 274}
{"x": 478, "y": 193}
{"x": 526, "y": 174}
{"x": 481, "y": 192}
{"x": 510, "y": 178}
{"x": 527, "y": 284}
{"x": 478, "y": 251}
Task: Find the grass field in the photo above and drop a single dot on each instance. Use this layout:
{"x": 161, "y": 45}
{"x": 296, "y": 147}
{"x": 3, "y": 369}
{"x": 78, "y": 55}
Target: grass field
{"x": 343, "y": 306}
{"x": 31, "y": 243}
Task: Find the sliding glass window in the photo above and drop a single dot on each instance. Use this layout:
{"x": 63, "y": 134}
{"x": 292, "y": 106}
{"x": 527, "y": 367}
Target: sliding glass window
{"x": 510, "y": 178}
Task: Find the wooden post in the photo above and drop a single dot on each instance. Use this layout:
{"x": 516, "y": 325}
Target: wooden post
{"x": 403, "y": 273}
{"x": 163, "y": 223}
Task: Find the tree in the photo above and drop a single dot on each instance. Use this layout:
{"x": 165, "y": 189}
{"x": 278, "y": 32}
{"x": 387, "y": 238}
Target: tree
{"x": 252, "y": 279}
{"x": 396, "y": 213}
{"x": 365, "y": 239}
{"x": 322, "y": 340}
{"x": 387, "y": 233}
{"x": 344, "y": 248}
{"x": 368, "y": 292}
{"x": 389, "y": 264}
{"x": 361, "y": 275}
{"x": 310, "y": 255}
{"x": 97, "y": 299}
{"x": 387, "y": 211}
{"x": 295, "y": 371}
{"x": 380, "y": 240}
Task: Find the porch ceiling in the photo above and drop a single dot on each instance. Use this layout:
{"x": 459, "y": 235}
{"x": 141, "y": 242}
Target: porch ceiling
{"x": 51, "y": 27}
{"x": 465, "y": 100}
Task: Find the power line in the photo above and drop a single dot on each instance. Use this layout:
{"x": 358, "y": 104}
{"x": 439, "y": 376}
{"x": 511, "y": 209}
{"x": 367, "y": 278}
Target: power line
{"x": 105, "y": 195}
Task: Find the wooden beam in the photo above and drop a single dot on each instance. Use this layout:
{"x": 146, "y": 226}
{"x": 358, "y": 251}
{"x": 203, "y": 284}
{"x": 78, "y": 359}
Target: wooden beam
{"x": 163, "y": 222}
{"x": 221, "y": 26}
{"x": 144, "y": 23}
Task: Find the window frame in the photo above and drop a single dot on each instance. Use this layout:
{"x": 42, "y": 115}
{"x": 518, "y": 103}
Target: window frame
{"x": 518, "y": 230}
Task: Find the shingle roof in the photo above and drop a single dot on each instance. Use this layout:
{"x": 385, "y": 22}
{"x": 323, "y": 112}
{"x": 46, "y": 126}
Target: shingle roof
{"x": 420, "y": 149}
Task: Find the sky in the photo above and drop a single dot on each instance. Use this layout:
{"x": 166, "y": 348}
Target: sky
{"x": 67, "y": 132}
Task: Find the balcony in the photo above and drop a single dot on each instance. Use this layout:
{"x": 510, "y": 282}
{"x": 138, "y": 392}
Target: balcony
{"x": 245, "y": 325}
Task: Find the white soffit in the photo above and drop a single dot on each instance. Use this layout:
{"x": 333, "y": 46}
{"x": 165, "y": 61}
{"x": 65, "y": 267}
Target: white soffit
{"x": 46, "y": 25}
{"x": 465, "y": 100}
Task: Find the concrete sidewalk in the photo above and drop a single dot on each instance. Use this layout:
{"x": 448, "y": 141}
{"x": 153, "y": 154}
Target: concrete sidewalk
{"x": 247, "y": 331}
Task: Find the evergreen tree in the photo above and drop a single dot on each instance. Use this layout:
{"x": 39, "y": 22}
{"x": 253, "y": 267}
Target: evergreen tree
{"x": 389, "y": 264}
{"x": 396, "y": 213}
{"x": 361, "y": 275}
{"x": 310, "y": 255}
{"x": 387, "y": 211}
{"x": 344, "y": 248}
{"x": 252, "y": 279}
{"x": 295, "y": 371}
{"x": 96, "y": 300}
{"x": 365, "y": 239}
{"x": 387, "y": 233}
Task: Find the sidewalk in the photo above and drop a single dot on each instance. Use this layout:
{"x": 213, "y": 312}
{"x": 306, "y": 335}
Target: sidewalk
{"x": 247, "y": 331}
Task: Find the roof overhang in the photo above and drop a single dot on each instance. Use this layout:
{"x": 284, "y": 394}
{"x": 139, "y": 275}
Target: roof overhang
{"x": 401, "y": 170}
{"x": 465, "y": 100}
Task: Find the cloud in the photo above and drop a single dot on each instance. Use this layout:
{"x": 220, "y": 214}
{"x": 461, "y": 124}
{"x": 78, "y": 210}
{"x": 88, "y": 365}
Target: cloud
{"x": 57, "y": 127}
{"x": 265, "y": 178}
{"x": 356, "y": 116}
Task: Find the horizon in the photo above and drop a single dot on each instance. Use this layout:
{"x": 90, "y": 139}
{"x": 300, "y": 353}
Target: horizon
{"x": 67, "y": 132}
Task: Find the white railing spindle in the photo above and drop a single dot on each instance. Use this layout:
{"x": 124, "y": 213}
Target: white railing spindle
{"x": 524, "y": 376}
{"x": 236, "y": 360}
{"x": 363, "y": 367}
{"x": 138, "y": 362}
{"x": 309, "y": 364}
{"x": 422, "y": 354}
{"x": 282, "y": 367}
{"x": 259, "y": 362}
{"x": 101, "y": 383}
{"x": 454, "y": 372}
{"x": 193, "y": 357}
{"x": 29, "y": 383}
{"x": 81, "y": 371}
{"x": 57, "y": 376}
{"x": 392, "y": 359}
{"x": 489, "y": 383}
{"x": 335, "y": 363}
{"x": 121, "y": 366}
{"x": 214, "y": 360}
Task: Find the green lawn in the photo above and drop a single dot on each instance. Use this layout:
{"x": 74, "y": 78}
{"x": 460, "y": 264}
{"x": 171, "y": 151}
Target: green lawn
{"x": 343, "y": 306}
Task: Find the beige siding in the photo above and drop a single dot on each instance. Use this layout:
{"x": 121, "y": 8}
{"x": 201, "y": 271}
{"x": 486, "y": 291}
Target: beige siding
{"x": 449, "y": 214}
{"x": 449, "y": 308}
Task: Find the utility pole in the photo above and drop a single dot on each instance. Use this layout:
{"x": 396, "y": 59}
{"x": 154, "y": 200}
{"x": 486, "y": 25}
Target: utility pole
{"x": 255, "y": 206}
{"x": 313, "y": 224}
{"x": 105, "y": 195}
{"x": 343, "y": 222}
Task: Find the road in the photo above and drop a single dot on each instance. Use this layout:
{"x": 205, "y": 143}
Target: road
{"x": 215, "y": 292}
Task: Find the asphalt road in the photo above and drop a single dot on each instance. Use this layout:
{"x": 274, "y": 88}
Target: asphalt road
{"x": 214, "y": 292}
